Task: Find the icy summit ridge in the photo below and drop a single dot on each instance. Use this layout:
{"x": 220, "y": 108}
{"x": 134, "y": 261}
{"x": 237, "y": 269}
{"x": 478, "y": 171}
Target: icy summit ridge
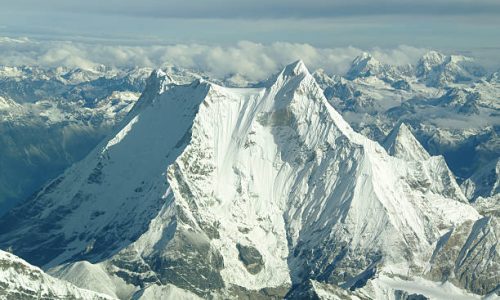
{"x": 261, "y": 189}
{"x": 295, "y": 68}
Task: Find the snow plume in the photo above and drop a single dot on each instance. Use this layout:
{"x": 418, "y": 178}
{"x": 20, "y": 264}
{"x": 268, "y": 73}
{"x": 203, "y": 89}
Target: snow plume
{"x": 255, "y": 61}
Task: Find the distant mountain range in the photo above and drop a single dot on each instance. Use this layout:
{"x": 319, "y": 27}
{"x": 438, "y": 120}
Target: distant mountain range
{"x": 205, "y": 191}
{"x": 451, "y": 104}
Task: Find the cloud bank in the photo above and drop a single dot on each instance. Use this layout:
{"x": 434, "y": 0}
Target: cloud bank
{"x": 255, "y": 61}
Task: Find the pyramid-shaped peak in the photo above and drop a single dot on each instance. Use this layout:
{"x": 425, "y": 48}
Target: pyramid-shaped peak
{"x": 155, "y": 84}
{"x": 364, "y": 65}
{"x": 296, "y": 68}
{"x": 292, "y": 73}
{"x": 234, "y": 181}
{"x": 402, "y": 143}
{"x": 365, "y": 58}
{"x": 404, "y": 130}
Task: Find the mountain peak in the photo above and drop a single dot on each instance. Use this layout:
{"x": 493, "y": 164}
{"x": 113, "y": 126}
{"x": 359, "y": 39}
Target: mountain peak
{"x": 485, "y": 182}
{"x": 364, "y": 65}
{"x": 365, "y": 56}
{"x": 257, "y": 188}
{"x": 438, "y": 69}
{"x": 296, "y": 68}
{"x": 433, "y": 57}
{"x": 402, "y": 143}
{"x": 293, "y": 72}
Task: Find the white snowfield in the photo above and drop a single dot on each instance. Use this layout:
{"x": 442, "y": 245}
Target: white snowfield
{"x": 218, "y": 192}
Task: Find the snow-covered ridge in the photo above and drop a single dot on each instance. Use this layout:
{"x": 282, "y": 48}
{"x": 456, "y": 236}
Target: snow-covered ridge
{"x": 260, "y": 189}
{"x": 20, "y": 280}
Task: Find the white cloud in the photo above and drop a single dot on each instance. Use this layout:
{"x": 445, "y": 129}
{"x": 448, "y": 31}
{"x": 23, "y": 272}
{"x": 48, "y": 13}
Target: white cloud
{"x": 255, "y": 61}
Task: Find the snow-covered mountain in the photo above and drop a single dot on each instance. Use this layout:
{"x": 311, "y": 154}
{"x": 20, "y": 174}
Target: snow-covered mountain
{"x": 402, "y": 144}
{"x": 436, "y": 69}
{"x": 485, "y": 182}
{"x": 31, "y": 83}
{"x": 20, "y": 280}
{"x": 365, "y": 65}
{"x": 215, "y": 192}
{"x": 450, "y": 103}
{"x": 51, "y": 118}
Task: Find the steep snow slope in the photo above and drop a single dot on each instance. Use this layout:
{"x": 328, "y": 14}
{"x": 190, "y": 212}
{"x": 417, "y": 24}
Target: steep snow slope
{"x": 19, "y": 280}
{"x": 118, "y": 205}
{"x": 40, "y": 140}
{"x": 485, "y": 182}
{"x": 53, "y": 117}
{"x": 259, "y": 189}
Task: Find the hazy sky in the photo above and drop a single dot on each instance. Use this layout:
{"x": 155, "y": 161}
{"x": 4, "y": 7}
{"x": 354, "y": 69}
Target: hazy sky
{"x": 456, "y": 24}
{"x": 463, "y": 26}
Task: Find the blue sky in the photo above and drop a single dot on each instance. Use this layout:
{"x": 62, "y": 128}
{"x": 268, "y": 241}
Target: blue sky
{"x": 456, "y": 26}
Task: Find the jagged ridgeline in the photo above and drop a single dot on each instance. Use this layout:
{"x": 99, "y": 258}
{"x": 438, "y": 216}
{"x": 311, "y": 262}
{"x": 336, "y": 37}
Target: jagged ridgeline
{"x": 449, "y": 101}
{"x": 215, "y": 192}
